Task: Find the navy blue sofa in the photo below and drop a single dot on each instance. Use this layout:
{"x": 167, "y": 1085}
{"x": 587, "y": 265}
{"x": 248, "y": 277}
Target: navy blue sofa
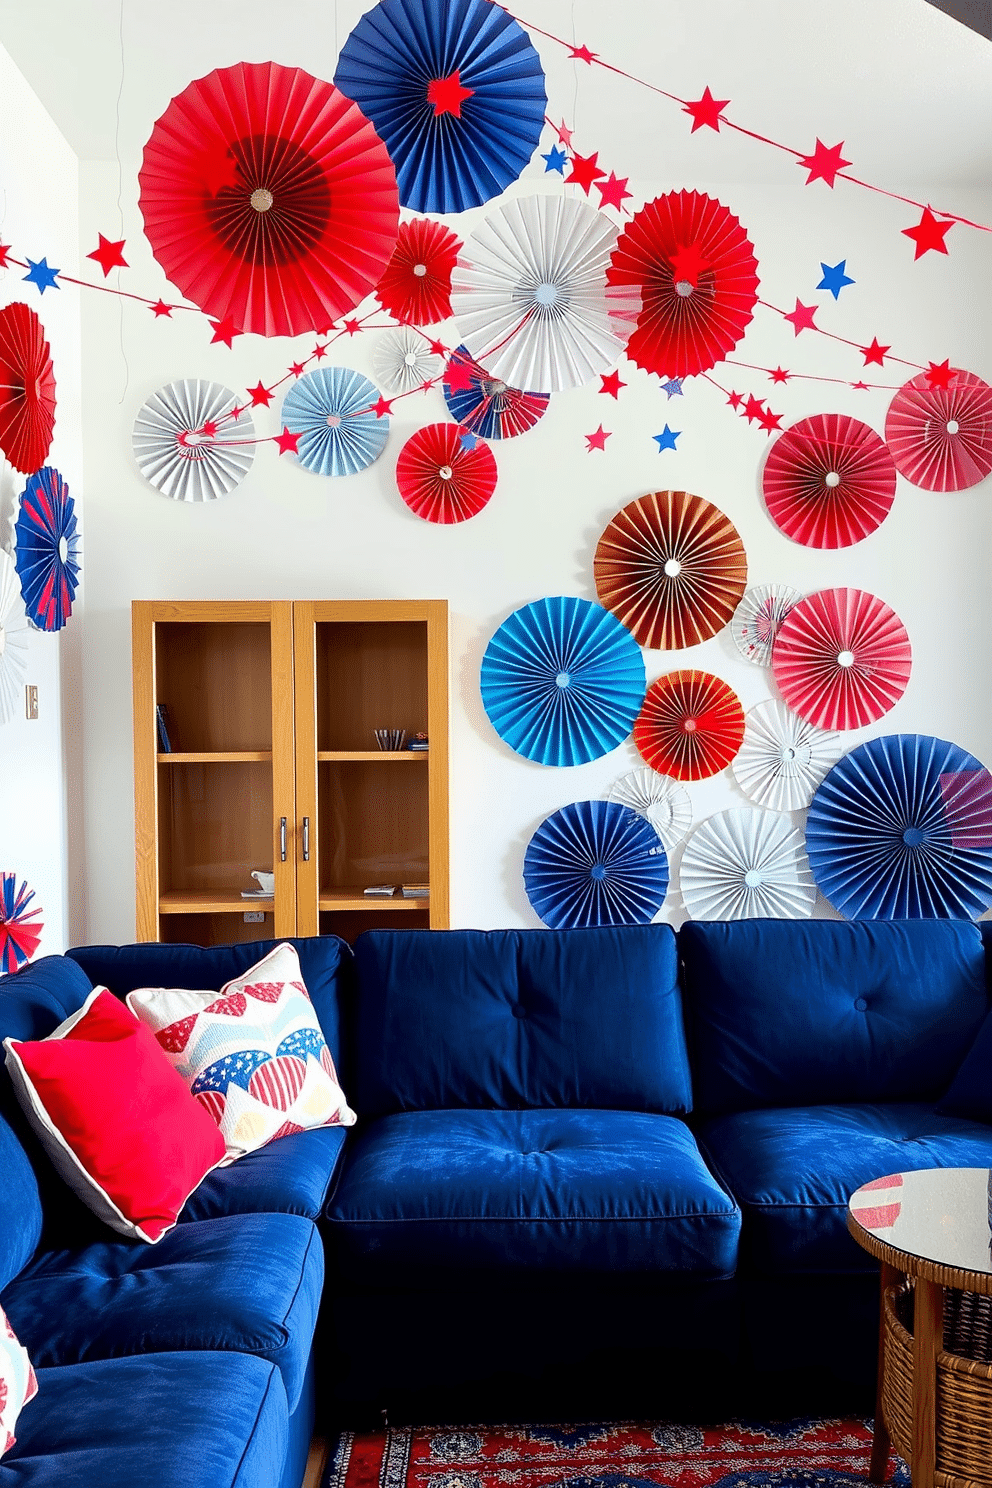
{"x": 579, "y": 1154}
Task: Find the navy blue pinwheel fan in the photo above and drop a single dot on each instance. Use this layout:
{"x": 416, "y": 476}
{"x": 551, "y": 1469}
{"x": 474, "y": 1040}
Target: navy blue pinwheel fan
{"x": 456, "y": 92}
{"x": 901, "y": 828}
{"x": 47, "y": 552}
{"x": 562, "y": 681}
{"x": 595, "y": 863}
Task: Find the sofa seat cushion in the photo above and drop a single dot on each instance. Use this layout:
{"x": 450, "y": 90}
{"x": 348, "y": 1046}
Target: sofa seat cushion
{"x": 175, "y": 1420}
{"x": 248, "y": 1284}
{"x": 792, "y": 1172}
{"x": 581, "y": 1190}
{"x": 291, "y": 1176}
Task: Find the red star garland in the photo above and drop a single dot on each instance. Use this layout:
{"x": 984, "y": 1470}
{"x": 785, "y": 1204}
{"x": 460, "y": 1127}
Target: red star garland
{"x": 611, "y": 383}
{"x": 779, "y": 374}
{"x": 824, "y": 163}
{"x": 438, "y": 348}
{"x": 209, "y": 428}
{"x": 705, "y": 111}
{"x": 584, "y": 171}
{"x": 753, "y": 408}
{"x": 297, "y": 369}
{"x": 769, "y": 420}
{"x": 928, "y": 234}
{"x": 382, "y": 407}
{"x": 940, "y": 374}
{"x": 597, "y": 440}
{"x": 735, "y": 400}
{"x": 687, "y": 264}
{"x": 109, "y": 255}
{"x": 564, "y": 134}
{"x": 260, "y": 396}
{"x": 447, "y": 95}
{"x": 614, "y": 192}
{"x": 5, "y": 251}
{"x": 287, "y": 442}
{"x": 874, "y": 354}
{"x": 458, "y": 376}
{"x": 161, "y": 308}
{"x": 224, "y": 331}
{"x": 319, "y": 352}
{"x": 583, "y": 54}
{"x": 352, "y": 327}
{"x": 802, "y": 317}
{"x": 860, "y": 386}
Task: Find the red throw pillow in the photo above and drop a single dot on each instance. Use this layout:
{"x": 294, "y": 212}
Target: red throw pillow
{"x": 116, "y": 1120}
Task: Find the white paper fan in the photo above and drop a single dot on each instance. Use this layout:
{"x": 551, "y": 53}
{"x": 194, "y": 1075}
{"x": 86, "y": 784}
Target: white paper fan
{"x": 659, "y": 799}
{"x": 531, "y": 299}
{"x": 783, "y": 758}
{"x": 746, "y": 864}
{"x": 186, "y": 444}
{"x": 757, "y": 618}
{"x": 14, "y": 630}
{"x": 403, "y": 360}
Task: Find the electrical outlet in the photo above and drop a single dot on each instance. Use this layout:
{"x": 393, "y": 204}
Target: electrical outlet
{"x": 31, "y": 702}
{"x": 254, "y": 917}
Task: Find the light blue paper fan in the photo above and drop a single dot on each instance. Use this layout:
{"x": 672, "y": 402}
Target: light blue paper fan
{"x": 901, "y": 828}
{"x": 595, "y": 863}
{"x": 331, "y": 409}
{"x": 562, "y": 681}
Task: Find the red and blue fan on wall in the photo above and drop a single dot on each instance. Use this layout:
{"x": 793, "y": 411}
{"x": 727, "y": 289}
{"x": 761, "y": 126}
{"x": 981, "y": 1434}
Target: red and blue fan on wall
{"x": 47, "y": 551}
{"x": 20, "y": 927}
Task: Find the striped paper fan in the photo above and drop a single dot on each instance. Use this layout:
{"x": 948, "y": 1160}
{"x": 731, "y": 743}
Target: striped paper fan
{"x": 746, "y": 864}
{"x": 691, "y": 725}
{"x": 660, "y": 800}
{"x": 672, "y": 567}
{"x": 187, "y": 444}
{"x": 20, "y": 927}
{"x": 941, "y": 438}
{"x": 403, "y": 360}
{"x": 487, "y": 405}
{"x": 595, "y": 863}
{"x": 444, "y": 475}
{"x": 828, "y": 481}
{"x": 842, "y": 658}
{"x": 783, "y": 758}
{"x": 758, "y": 618}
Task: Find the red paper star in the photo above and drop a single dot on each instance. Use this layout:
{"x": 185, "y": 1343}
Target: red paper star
{"x": 209, "y": 428}
{"x": 5, "y": 249}
{"x": 735, "y": 400}
{"x": 687, "y": 264}
{"x": 447, "y": 95}
{"x": 458, "y": 375}
{"x": 769, "y": 420}
{"x": 860, "y": 385}
{"x": 824, "y": 163}
{"x": 381, "y": 408}
{"x": 928, "y": 234}
{"x": 584, "y": 171}
{"x": 319, "y": 352}
{"x": 353, "y": 327}
{"x": 438, "y": 348}
{"x": 225, "y": 331}
{"x": 427, "y": 384}
{"x": 706, "y": 110}
{"x": 613, "y": 192}
{"x": 583, "y": 54}
{"x": 161, "y": 308}
{"x": 779, "y": 374}
{"x": 802, "y": 317}
{"x": 297, "y": 368}
{"x": 940, "y": 374}
{"x": 260, "y": 396}
{"x": 611, "y": 384}
{"x": 287, "y": 442}
{"x": 597, "y": 440}
{"x": 874, "y": 353}
{"x": 754, "y": 408}
{"x": 108, "y": 255}
{"x": 564, "y": 134}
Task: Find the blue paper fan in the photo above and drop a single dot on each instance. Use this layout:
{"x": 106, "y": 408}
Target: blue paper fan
{"x": 47, "y": 553}
{"x": 901, "y": 828}
{"x": 487, "y": 406}
{"x": 455, "y": 90}
{"x": 332, "y": 409}
{"x": 595, "y": 863}
{"x": 562, "y": 681}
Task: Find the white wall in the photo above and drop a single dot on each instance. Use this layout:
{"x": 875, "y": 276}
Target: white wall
{"x": 38, "y": 217}
{"x": 286, "y": 533}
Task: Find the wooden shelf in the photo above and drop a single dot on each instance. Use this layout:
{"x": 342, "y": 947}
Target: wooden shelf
{"x": 224, "y": 757}
{"x": 386, "y": 756}
{"x": 355, "y": 899}
{"x": 211, "y": 901}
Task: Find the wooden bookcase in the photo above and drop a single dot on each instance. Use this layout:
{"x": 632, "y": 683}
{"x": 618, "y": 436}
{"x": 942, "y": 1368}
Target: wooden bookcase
{"x": 272, "y": 712}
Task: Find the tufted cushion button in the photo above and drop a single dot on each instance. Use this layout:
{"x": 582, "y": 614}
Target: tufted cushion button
{"x": 519, "y": 1011}
{"x": 860, "y": 1004}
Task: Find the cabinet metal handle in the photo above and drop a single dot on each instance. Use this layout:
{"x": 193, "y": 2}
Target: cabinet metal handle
{"x": 282, "y": 838}
{"x": 306, "y": 839}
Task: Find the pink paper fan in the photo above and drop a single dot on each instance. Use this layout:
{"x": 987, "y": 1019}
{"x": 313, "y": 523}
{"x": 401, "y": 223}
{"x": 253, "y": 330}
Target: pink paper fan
{"x": 842, "y": 658}
{"x": 444, "y": 474}
{"x": 828, "y": 481}
{"x": 941, "y": 438}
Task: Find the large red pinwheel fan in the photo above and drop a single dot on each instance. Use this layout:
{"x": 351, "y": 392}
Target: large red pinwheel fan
{"x": 828, "y": 481}
{"x": 416, "y": 285}
{"x": 697, "y": 275}
{"x": 268, "y": 198}
{"x": 27, "y": 389}
{"x": 690, "y": 726}
{"x": 842, "y": 658}
{"x": 941, "y": 438}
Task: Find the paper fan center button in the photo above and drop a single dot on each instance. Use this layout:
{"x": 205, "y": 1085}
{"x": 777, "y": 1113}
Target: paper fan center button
{"x": 446, "y": 473}
{"x": 953, "y": 427}
{"x": 831, "y": 479}
{"x": 689, "y": 725}
{"x": 420, "y": 270}
{"x": 261, "y": 199}
{"x": 334, "y": 421}
{"x": 753, "y": 878}
{"x": 598, "y": 872}
{"x": 845, "y": 658}
{"x": 547, "y": 295}
{"x": 562, "y": 680}
{"x": 684, "y": 288}
{"x": 673, "y": 568}
{"x": 63, "y": 551}
{"x": 913, "y": 836}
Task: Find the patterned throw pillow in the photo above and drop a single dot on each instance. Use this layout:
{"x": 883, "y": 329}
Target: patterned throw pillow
{"x": 253, "y": 1054}
{"x": 18, "y": 1384}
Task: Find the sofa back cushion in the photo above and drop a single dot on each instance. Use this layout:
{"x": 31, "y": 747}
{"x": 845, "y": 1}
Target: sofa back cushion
{"x": 20, "y": 1230}
{"x": 325, "y": 962}
{"x": 786, "y": 1012}
{"x": 519, "y": 1019}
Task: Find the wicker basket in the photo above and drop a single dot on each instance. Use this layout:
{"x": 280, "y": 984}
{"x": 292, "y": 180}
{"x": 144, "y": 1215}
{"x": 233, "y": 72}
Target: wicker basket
{"x": 964, "y": 1387}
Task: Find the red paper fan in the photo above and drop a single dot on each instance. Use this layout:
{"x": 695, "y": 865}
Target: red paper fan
{"x": 828, "y": 481}
{"x": 842, "y": 658}
{"x": 672, "y": 568}
{"x": 941, "y": 438}
{"x": 444, "y": 474}
{"x": 269, "y": 198}
{"x": 696, "y": 270}
{"x": 27, "y": 389}
{"x": 416, "y": 287}
{"x": 690, "y": 726}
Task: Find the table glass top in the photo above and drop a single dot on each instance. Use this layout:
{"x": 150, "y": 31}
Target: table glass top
{"x": 941, "y": 1215}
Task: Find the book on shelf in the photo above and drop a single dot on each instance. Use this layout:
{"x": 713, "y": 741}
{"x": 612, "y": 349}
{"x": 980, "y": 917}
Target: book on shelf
{"x": 162, "y": 723}
{"x": 257, "y": 894}
{"x": 379, "y": 891}
{"x": 416, "y": 891}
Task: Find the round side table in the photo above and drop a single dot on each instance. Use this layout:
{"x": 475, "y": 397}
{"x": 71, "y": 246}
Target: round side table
{"x": 934, "y": 1400}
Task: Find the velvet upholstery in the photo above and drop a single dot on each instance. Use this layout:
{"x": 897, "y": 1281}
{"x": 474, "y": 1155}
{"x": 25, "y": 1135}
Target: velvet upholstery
{"x": 290, "y": 1176}
{"x": 20, "y": 1230}
{"x": 787, "y": 1013}
{"x": 511, "y": 1018}
{"x": 171, "y": 1420}
{"x": 579, "y": 1191}
{"x": 248, "y": 1284}
{"x": 793, "y": 1171}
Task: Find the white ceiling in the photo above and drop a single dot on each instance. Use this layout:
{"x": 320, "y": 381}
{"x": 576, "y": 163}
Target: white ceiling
{"x": 906, "y": 87}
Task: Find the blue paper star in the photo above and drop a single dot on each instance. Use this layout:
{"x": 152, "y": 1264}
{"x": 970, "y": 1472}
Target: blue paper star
{"x": 834, "y": 278}
{"x": 666, "y": 439}
{"x": 468, "y": 441}
{"x": 673, "y": 387}
{"x": 42, "y": 275}
{"x": 557, "y": 160}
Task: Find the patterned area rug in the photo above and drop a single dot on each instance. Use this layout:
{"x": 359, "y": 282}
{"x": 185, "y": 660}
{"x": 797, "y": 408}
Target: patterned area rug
{"x": 788, "y": 1454}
